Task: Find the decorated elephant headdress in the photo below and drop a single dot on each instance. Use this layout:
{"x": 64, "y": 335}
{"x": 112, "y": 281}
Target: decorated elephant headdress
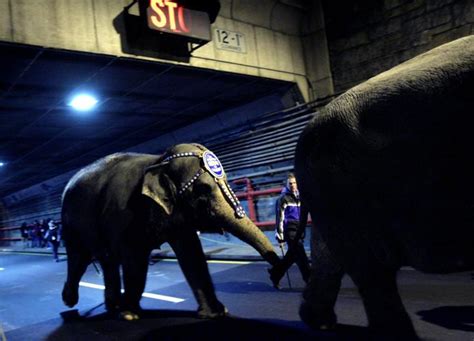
{"x": 158, "y": 186}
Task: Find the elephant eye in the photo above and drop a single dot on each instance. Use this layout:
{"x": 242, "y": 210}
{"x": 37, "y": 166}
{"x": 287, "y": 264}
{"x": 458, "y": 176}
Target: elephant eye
{"x": 202, "y": 189}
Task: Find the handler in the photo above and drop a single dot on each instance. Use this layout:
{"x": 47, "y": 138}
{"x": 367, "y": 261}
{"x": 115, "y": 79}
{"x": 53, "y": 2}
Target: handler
{"x": 288, "y": 212}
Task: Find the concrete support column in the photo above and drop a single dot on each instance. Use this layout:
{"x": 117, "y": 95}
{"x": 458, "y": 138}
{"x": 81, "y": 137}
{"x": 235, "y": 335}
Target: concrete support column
{"x": 316, "y": 53}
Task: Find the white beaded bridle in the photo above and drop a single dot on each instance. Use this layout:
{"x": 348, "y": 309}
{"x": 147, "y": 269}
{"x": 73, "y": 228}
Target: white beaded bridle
{"x": 211, "y": 165}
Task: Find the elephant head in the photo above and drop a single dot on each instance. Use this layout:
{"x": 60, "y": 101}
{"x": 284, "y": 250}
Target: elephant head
{"x": 190, "y": 187}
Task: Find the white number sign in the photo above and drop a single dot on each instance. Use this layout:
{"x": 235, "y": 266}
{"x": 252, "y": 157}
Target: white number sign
{"x": 231, "y": 41}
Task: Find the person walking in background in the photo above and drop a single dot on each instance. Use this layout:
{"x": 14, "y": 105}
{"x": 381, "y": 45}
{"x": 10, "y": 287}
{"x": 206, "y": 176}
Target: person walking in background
{"x": 288, "y": 210}
{"x": 44, "y": 229}
{"x": 36, "y": 236}
{"x": 25, "y": 234}
{"x": 53, "y": 236}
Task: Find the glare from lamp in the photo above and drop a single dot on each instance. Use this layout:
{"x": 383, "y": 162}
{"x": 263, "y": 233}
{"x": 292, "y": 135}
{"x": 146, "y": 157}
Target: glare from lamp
{"x": 83, "y": 102}
{"x": 2, "y": 164}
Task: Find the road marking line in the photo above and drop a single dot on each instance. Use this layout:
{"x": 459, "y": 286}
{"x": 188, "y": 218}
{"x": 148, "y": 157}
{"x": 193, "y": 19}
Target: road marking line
{"x": 162, "y": 297}
{"x": 218, "y": 241}
{"x": 145, "y": 294}
{"x": 228, "y": 262}
{"x": 2, "y": 334}
{"x": 212, "y": 261}
{"x": 32, "y": 253}
{"x": 164, "y": 259}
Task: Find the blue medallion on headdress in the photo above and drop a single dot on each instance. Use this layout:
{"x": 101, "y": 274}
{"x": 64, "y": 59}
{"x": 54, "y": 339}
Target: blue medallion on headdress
{"x": 212, "y": 164}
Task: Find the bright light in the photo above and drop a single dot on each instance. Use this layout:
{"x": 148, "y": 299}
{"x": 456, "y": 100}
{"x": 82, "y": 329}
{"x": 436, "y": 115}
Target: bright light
{"x": 2, "y": 164}
{"x": 83, "y": 102}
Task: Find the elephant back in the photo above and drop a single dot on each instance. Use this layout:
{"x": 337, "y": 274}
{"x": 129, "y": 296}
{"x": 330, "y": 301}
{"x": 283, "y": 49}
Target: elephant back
{"x": 390, "y": 160}
{"x": 96, "y": 190}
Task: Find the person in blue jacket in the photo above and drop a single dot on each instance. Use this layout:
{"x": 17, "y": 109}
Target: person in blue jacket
{"x": 288, "y": 210}
{"x": 53, "y": 236}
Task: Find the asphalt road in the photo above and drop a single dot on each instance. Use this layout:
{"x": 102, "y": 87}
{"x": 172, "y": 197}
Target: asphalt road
{"x": 441, "y": 306}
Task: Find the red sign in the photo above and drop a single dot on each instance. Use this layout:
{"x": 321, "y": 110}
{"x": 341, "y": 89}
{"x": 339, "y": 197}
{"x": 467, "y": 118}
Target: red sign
{"x": 170, "y": 17}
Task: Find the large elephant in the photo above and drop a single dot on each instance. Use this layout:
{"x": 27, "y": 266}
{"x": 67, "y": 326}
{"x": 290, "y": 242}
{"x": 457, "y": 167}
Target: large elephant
{"x": 386, "y": 172}
{"x": 119, "y": 208}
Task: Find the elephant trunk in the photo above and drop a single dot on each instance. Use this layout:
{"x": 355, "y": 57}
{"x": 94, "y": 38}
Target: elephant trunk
{"x": 248, "y": 232}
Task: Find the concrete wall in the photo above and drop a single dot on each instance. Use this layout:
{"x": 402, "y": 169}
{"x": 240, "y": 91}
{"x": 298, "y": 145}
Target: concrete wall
{"x": 271, "y": 32}
{"x": 316, "y": 52}
{"x": 369, "y": 37}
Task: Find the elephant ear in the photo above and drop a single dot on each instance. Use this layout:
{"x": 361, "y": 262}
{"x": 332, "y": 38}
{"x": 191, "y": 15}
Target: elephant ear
{"x": 158, "y": 186}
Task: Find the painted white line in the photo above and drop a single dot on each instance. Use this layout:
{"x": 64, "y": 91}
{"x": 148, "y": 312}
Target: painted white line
{"x": 32, "y": 253}
{"x": 162, "y": 297}
{"x": 218, "y": 241}
{"x": 145, "y": 294}
{"x": 228, "y": 262}
{"x": 91, "y": 285}
{"x": 2, "y": 334}
{"x": 213, "y": 261}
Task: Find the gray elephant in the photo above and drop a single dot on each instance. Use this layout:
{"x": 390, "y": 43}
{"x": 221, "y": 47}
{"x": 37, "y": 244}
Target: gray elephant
{"x": 386, "y": 172}
{"x": 119, "y": 208}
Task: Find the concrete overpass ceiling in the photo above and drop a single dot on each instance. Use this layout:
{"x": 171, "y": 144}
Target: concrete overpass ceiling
{"x": 42, "y": 137}
{"x": 278, "y": 15}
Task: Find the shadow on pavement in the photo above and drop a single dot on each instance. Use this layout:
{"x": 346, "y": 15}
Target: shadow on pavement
{"x": 243, "y": 287}
{"x": 239, "y": 329}
{"x": 450, "y": 317}
{"x": 183, "y": 325}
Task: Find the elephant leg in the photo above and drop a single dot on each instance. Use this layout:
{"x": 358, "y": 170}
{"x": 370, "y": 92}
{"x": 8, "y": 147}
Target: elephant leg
{"x": 377, "y": 286}
{"x": 320, "y": 294}
{"x": 77, "y": 261}
{"x": 111, "y": 268}
{"x": 192, "y": 261}
{"x": 115, "y": 245}
{"x": 135, "y": 267}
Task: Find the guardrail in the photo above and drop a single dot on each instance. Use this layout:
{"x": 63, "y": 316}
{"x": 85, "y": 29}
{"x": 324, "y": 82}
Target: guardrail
{"x": 10, "y": 239}
{"x": 249, "y": 195}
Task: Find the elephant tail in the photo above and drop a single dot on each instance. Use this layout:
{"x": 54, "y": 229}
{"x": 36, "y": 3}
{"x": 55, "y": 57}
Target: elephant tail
{"x": 78, "y": 215}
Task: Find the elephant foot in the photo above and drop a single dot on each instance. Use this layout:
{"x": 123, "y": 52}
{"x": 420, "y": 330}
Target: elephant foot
{"x": 128, "y": 316}
{"x": 70, "y": 295}
{"x": 317, "y": 319}
{"x": 216, "y": 313}
{"x": 127, "y": 311}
